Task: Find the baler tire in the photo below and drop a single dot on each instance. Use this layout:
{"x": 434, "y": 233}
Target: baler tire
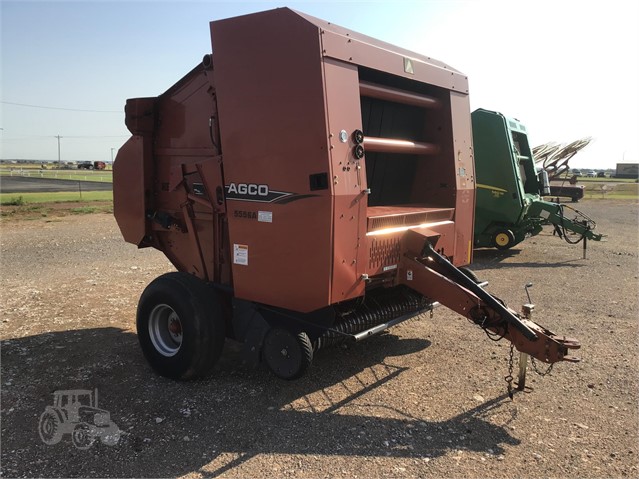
{"x": 470, "y": 274}
{"x": 201, "y": 323}
{"x": 287, "y": 355}
{"x": 501, "y": 235}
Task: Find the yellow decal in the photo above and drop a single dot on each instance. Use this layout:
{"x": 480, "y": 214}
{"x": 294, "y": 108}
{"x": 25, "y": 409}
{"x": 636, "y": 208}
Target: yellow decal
{"x": 497, "y": 192}
{"x": 494, "y": 188}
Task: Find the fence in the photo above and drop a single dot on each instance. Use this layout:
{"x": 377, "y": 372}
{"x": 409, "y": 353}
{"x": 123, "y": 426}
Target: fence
{"x": 101, "y": 176}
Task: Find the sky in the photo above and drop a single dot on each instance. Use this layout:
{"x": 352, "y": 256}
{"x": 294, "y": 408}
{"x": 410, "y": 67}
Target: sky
{"x": 567, "y": 70}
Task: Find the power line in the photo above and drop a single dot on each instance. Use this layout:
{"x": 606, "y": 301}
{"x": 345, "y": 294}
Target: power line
{"x": 58, "y": 108}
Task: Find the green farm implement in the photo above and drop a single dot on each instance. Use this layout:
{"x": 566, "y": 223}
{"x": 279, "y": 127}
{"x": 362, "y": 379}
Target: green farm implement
{"x": 509, "y": 204}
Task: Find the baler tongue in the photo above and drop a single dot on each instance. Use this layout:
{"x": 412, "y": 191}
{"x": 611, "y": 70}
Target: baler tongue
{"x": 549, "y": 347}
{"x": 430, "y": 273}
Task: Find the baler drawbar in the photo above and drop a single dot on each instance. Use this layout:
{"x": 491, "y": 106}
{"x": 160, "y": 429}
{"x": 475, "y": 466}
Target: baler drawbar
{"x": 310, "y": 185}
{"x": 433, "y": 275}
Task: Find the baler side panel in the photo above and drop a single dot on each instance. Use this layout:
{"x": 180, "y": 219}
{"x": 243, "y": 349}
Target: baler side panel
{"x": 270, "y": 90}
{"x": 192, "y": 242}
{"x": 187, "y": 173}
{"x": 465, "y": 179}
{"x": 349, "y": 181}
{"x": 183, "y": 116}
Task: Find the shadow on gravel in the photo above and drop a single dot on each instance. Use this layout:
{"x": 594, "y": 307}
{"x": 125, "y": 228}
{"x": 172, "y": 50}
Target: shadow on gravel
{"x": 211, "y": 426}
{"x": 487, "y": 258}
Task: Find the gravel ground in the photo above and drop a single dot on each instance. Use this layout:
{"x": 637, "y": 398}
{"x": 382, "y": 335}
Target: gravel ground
{"x": 426, "y": 399}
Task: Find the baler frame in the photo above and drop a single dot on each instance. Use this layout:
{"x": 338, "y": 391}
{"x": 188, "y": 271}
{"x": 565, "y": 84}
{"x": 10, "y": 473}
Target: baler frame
{"x": 289, "y": 237}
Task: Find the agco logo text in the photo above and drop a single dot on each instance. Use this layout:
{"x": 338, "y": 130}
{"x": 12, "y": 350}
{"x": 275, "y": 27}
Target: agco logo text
{"x": 254, "y": 192}
{"x": 250, "y": 189}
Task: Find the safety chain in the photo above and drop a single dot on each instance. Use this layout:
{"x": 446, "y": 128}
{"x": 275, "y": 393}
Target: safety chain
{"x": 509, "y": 377}
{"x": 541, "y": 373}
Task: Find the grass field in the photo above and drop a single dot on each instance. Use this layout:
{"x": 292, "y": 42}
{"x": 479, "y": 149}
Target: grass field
{"x": 584, "y": 179}
{"x": 18, "y": 199}
{"x": 617, "y": 191}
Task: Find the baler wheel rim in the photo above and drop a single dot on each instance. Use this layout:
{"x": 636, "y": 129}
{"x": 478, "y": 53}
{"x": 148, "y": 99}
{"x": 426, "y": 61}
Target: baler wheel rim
{"x": 288, "y": 355}
{"x": 165, "y": 330}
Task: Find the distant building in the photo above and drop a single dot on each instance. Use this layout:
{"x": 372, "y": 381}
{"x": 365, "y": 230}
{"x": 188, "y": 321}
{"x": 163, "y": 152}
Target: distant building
{"x": 627, "y": 170}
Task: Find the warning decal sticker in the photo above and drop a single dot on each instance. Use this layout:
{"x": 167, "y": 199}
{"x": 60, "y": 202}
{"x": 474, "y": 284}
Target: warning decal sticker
{"x": 240, "y": 254}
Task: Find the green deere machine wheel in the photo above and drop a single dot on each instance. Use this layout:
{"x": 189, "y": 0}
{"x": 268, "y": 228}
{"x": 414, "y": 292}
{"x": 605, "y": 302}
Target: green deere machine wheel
{"x": 503, "y": 239}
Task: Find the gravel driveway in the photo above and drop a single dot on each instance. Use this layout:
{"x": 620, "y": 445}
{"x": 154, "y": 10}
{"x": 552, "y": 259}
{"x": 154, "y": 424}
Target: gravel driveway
{"x": 426, "y": 399}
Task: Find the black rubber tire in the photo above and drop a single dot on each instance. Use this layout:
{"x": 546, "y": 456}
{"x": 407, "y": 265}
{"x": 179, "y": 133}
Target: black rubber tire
{"x": 498, "y": 239}
{"x": 288, "y": 355}
{"x": 202, "y": 325}
{"x": 470, "y": 273}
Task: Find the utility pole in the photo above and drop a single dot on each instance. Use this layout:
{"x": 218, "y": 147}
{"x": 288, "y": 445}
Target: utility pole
{"x": 58, "y": 137}
{"x": 112, "y": 157}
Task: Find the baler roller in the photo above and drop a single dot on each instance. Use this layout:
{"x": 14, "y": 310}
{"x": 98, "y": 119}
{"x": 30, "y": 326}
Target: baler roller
{"x": 389, "y": 145}
{"x": 372, "y": 90}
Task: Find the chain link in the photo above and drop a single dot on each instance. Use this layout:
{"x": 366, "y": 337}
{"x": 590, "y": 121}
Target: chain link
{"x": 534, "y": 366}
{"x": 509, "y": 377}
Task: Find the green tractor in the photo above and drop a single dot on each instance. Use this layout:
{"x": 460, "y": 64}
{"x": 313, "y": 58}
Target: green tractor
{"x": 509, "y": 205}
